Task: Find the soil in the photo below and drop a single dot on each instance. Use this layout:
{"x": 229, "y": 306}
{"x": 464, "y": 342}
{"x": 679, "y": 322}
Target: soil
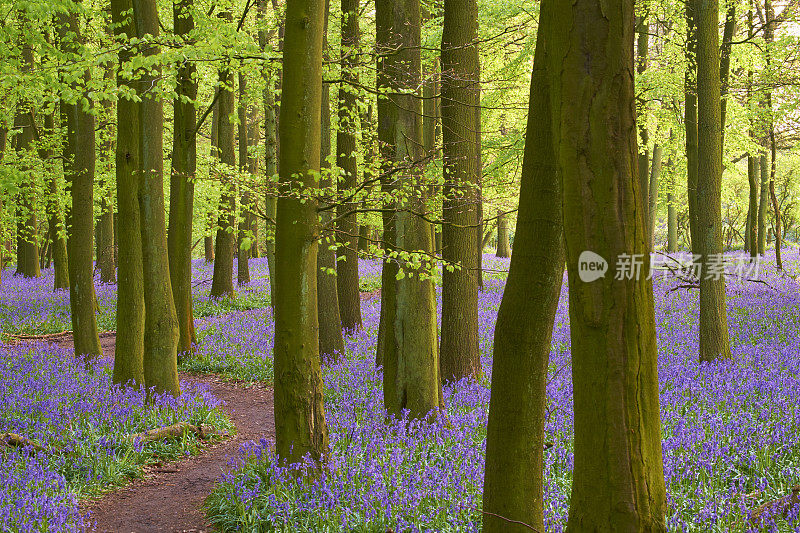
{"x": 170, "y": 496}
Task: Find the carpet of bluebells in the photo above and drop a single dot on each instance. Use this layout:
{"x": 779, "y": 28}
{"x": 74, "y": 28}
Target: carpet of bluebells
{"x": 731, "y": 431}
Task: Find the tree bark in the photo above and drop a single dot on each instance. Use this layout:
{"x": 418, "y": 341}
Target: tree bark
{"x": 690, "y": 121}
{"x": 244, "y": 242}
{"x": 714, "y": 341}
{"x": 181, "y": 189}
{"x": 753, "y": 172}
{"x": 57, "y": 230}
{"x": 222, "y": 282}
{"x": 655, "y": 177}
{"x": 618, "y": 480}
{"x": 300, "y": 427}
{"x": 503, "y": 241}
{"x": 161, "y": 323}
{"x": 79, "y": 167}
{"x": 513, "y": 481}
{"x": 409, "y": 344}
{"x": 762, "y": 205}
{"x": 460, "y": 354}
{"x": 129, "y": 349}
{"x": 331, "y": 342}
{"x": 347, "y": 282}
{"x": 27, "y": 237}
{"x": 643, "y": 52}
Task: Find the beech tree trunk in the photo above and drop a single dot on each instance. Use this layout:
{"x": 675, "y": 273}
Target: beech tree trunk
{"x": 27, "y": 234}
{"x": 762, "y": 205}
{"x": 618, "y": 479}
{"x": 129, "y": 349}
{"x": 57, "y": 230}
{"x": 300, "y": 427}
{"x": 503, "y": 241}
{"x": 690, "y": 121}
{"x": 753, "y": 172}
{"x": 714, "y": 342}
{"x": 331, "y": 342}
{"x": 408, "y": 343}
{"x": 225, "y": 245}
{"x": 79, "y": 169}
{"x": 161, "y": 324}
{"x": 513, "y": 482}
{"x": 655, "y": 177}
{"x": 181, "y": 190}
{"x": 347, "y": 283}
{"x": 460, "y": 354}
{"x": 244, "y": 242}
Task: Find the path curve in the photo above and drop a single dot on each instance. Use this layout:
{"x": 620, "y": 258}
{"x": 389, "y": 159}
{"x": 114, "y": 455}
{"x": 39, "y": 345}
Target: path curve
{"x": 170, "y": 498}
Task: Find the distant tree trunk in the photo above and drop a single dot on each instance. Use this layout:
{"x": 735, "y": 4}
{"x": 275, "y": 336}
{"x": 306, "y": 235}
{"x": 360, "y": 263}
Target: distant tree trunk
{"x": 409, "y": 344}
{"x": 57, "y": 230}
{"x": 672, "y": 211}
{"x": 690, "y": 121}
{"x": 460, "y": 354}
{"x": 347, "y": 282}
{"x": 513, "y": 482}
{"x": 27, "y": 238}
{"x": 714, "y": 341}
{"x": 725, "y": 65}
{"x": 79, "y": 167}
{"x": 643, "y": 52}
{"x": 222, "y": 282}
{"x": 618, "y": 482}
{"x": 161, "y": 323}
{"x": 655, "y": 177}
{"x": 129, "y": 350}
{"x": 211, "y": 223}
{"x": 331, "y": 341}
{"x": 762, "y": 206}
{"x": 300, "y": 427}
{"x": 769, "y": 37}
{"x": 270, "y": 153}
{"x": 753, "y": 171}
{"x": 181, "y": 190}
{"x": 105, "y": 225}
{"x": 244, "y": 241}
{"x": 503, "y": 243}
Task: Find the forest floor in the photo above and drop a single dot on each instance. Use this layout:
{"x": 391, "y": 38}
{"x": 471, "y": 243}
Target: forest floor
{"x": 170, "y": 496}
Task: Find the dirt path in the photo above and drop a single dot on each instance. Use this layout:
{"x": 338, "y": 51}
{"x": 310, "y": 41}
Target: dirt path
{"x": 170, "y": 498}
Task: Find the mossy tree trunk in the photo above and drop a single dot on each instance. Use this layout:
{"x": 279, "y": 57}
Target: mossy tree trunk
{"x": 181, "y": 190}
{"x": 331, "y": 341}
{"x": 244, "y": 241}
{"x": 161, "y": 324}
{"x": 714, "y": 342}
{"x": 129, "y": 350}
{"x": 690, "y": 122}
{"x": 513, "y": 481}
{"x": 300, "y": 427}
{"x": 618, "y": 482}
{"x": 409, "y": 341}
{"x": 460, "y": 354}
{"x": 655, "y": 177}
{"x": 503, "y": 239}
{"x": 225, "y": 244}
{"x": 642, "y": 56}
{"x": 347, "y": 283}
{"x": 56, "y": 228}
{"x": 27, "y": 233}
{"x": 79, "y": 169}
{"x": 753, "y": 172}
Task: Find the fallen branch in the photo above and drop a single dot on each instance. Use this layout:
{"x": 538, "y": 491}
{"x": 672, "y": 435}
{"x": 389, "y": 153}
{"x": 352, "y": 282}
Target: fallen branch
{"x": 36, "y": 337}
{"x": 780, "y": 506}
{"x": 12, "y": 440}
{"x": 174, "y": 431}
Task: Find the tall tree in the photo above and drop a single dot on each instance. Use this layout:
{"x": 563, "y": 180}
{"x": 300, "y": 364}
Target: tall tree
{"x": 763, "y": 172}
{"x": 244, "y": 243}
{"x": 618, "y": 480}
{"x": 225, "y": 245}
{"x": 503, "y": 240}
{"x": 300, "y": 426}
{"x": 460, "y": 354}
{"x": 129, "y": 348}
{"x": 347, "y": 283}
{"x": 25, "y": 126}
{"x": 56, "y": 229}
{"x": 409, "y": 345}
{"x": 714, "y": 342}
{"x": 161, "y": 323}
{"x": 513, "y": 483}
{"x": 690, "y": 122}
{"x": 331, "y": 341}
{"x": 642, "y": 57}
{"x": 105, "y": 223}
{"x": 181, "y": 188}
{"x": 79, "y": 165}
